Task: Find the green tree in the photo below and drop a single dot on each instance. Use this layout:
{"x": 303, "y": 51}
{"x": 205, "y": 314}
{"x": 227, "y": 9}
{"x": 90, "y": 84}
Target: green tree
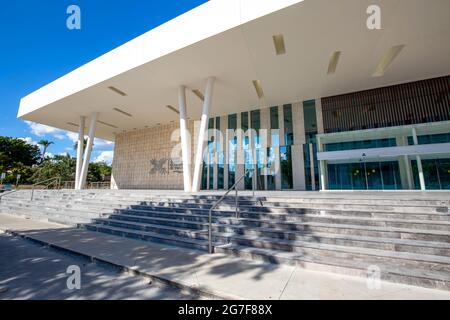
{"x": 75, "y": 146}
{"x": 65, "y": 166}
{"x": 99, "y": 172}
{"x": 58, "y": 166}
{"x": 45, "y": 145}
{"x": 17, "y": 156}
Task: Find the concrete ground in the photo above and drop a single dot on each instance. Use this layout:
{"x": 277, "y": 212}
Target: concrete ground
{"x": 31, "y": 272}
{"x": 220, "y": 275}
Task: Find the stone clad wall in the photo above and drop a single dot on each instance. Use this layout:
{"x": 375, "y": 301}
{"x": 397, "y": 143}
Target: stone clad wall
{"x": 142, "y": 159}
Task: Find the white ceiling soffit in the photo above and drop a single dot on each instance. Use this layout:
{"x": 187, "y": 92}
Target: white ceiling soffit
{"x": 211, "y": 41}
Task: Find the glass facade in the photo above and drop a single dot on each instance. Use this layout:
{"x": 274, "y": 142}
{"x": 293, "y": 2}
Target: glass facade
{"x": 364, "y": 176}
{"x": 436, "y": 172}
{"x": 431, "y": 139}
{"x": 385, "y": 175}
{"x": 211, "y": 154}
{"x": 221, "y": 159}
{"x": 365, "y": 144}
{"x": 270, "y": 167}
{"x": 274, "y": 143}
{"x": 259, "y": 154}
{"x": 288, "y": 125}
{"x": 310, "y": 148}
{"x": 232, "y": 150}
{"x": 287, "y": 181}
{"x": 248, "y": 155}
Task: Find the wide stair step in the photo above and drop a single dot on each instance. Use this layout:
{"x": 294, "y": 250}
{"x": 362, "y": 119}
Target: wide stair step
{"x": 406, "y": 237}
{"x": 418, "y": 276}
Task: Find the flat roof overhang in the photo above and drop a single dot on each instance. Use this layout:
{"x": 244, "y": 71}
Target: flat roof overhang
{"x": 232, "y": 40}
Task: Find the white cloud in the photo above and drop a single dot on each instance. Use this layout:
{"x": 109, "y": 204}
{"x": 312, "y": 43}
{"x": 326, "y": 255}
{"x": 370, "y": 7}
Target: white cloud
{"x": 41, "y": 130}
{"x": 103, "y": 145}
{"x": 29, "y": 141}
{"x": 72, "y": 136}
{"x": 105, "y": 156}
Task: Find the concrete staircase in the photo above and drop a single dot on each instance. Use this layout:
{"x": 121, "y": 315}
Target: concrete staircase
{"x": 405, "y": 235}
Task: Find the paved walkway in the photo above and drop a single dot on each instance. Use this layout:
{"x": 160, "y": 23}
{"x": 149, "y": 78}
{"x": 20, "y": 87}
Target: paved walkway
{"x": 32, "y": 272}
{"x": 218, "y": 275}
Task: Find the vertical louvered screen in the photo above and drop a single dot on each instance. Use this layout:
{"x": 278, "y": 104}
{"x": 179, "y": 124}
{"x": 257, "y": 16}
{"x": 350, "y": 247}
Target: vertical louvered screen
{"x": 410, "y": 103}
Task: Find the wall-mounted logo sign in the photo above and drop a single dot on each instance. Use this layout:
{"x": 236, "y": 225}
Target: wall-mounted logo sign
{"x": 165, "y": 166}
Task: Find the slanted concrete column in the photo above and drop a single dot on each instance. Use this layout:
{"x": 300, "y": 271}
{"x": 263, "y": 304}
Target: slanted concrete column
{"x": 196, "y": 184}
{"x": 423, "y": 186}
{"x": 185, "y": 141}
{"x": 88, "y": 151}
{"x": 80, "y": 150}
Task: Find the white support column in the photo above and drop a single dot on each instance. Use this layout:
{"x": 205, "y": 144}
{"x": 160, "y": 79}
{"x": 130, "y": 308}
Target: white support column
{"x": 240, "y": 153}
{"x": 298, "y": 166}
{"x": 405, "y": 166}
{"x": 202, "y": 135}
{"x": 223, "y": 129}
{"x": 88, "y": 151}
{"x": 322, "y": 168}
{"x": 80, "y": 150}
{"x": 319, "y": 116}
{"x": 419, "y": 162}
{"x": 185, "y": 141}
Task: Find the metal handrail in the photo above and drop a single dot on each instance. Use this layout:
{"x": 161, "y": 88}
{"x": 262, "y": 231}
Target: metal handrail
{"x": 52, "y": 180}
{"x": 2, "y": 195}
{"x": 216, "y": 204}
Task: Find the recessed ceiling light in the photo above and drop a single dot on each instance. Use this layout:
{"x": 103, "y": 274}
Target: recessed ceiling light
{"x": 123, "y": 112}
{"x": 117, "y": 91}
{"x": 387, "y": 60}
{"x": 258, "y": 88}
{"x": 280, "y": 47}
{"x": 107, "y": 124}
{"x": 334, "y": 60}
{"x": 199, "y": 94}
{"x": 173, "y": 109}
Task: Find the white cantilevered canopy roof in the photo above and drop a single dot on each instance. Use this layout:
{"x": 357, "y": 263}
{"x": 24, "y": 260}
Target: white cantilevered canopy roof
{"x": 232, "y": 40}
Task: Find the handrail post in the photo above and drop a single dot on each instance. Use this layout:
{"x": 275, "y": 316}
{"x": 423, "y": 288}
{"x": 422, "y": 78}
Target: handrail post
{"x": 210, "y": 232}
{"x": 235, "y": 187}
{"x": 254, "y": 180}
{"x": 237, "y": 203}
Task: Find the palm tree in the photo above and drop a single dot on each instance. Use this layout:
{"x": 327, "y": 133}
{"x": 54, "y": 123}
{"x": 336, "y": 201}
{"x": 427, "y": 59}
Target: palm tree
{"x": 45, "y": 144}
{"x": 75, "y": 146}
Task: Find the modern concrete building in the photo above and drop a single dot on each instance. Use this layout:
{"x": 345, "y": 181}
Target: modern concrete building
{"x": 323, "y": 101}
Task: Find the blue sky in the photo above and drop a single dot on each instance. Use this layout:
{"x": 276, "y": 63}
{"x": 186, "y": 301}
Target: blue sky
{"x": 36, "y": 48}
